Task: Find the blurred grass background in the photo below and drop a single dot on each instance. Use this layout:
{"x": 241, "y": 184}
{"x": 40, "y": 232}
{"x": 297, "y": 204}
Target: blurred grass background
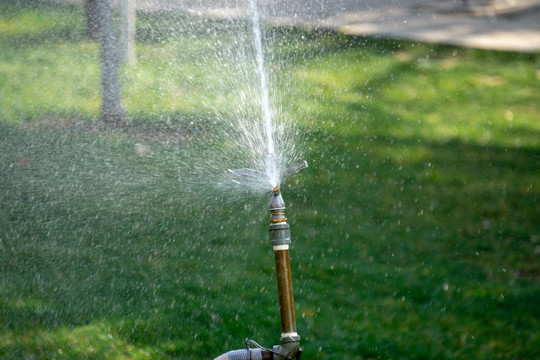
{"x": 415, "y": 229}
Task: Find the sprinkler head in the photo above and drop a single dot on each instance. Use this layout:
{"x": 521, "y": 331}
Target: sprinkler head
{"x": 276, "y": 202}
{"x": 280, "y": 234}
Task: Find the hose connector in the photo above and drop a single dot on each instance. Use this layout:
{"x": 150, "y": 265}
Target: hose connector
{"x": 287, "y": 350}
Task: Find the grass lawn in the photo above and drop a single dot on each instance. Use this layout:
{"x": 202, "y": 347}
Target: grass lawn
{"x": 416, "y": 231}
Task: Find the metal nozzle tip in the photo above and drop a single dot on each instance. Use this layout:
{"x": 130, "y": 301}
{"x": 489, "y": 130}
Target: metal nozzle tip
{"x": 276, "y": 202}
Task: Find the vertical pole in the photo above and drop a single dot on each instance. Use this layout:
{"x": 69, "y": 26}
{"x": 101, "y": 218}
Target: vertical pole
{"x": 285, "y": 292}
{"x": 128, "y": 19}
{"x": 112, "y": 110}
{"x": 280, "y": 238}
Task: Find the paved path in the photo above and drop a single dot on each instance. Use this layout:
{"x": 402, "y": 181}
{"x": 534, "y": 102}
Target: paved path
{"x": 512, "y": 25}
{"x": 514, "y": 28}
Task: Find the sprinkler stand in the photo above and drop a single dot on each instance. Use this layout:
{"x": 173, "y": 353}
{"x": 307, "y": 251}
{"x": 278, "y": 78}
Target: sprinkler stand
{"x": 280, "y": 238}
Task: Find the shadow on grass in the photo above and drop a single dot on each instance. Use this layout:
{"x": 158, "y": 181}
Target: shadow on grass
{"x": 403, "y": 230}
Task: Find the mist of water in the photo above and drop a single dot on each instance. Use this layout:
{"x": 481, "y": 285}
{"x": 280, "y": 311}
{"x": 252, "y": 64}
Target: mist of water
{"x": 252, "y": 131}
{"x": 204, "y": 97}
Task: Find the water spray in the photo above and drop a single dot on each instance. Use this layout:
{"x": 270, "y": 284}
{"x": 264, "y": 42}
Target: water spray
{"x": 280, "y": 236}
{"x": 280, "y": 239}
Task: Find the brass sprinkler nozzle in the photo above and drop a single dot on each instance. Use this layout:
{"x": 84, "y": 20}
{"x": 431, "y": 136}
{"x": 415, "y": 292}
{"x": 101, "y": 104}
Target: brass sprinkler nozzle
{"x": 279, "y": 229}
{"x": 277, "y": 207}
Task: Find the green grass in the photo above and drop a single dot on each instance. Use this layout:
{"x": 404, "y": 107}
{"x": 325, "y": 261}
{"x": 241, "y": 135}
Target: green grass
{"x": 415, "y": 229}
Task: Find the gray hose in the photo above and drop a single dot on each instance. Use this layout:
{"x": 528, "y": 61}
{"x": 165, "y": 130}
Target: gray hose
{"x": 245, "y": 354}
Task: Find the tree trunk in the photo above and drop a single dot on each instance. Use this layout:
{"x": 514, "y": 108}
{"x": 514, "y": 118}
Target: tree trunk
{"x": 92, "y": 19}
{"x": 112, "y": 111}
{"x": 127, "y": 28}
